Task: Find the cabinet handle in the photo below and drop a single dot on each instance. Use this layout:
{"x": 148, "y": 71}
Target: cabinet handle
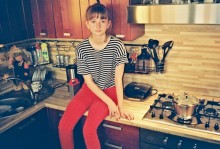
{"x": 179, "y": 145}
{"x": 32, "y": 120}
{"x": 113, "y": 145}
{"x": 66, "y": 34}
{"x": 112, "y": 127}
{"x": 165, "y": 141}
{"x": 120, "y": 36}
{"x": 60, "y": 114}
{"x": 43, "y": 34}
{"x": 195, "y": 146}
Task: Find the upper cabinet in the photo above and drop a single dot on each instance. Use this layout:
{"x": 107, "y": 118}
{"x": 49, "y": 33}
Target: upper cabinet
{"x": 43, "y": 19}
{"x": 15, "y": 21}
{"x": 67, "y": 19}
{"x": 121, "y": 28}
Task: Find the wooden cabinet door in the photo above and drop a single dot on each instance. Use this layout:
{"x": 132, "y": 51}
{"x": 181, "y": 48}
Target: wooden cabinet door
{"x": 67, "y": 19}
{"x": 121, "y": 28}
{"x": 42, "y": 14}
{"x": 15, "y": 21}
{"x": 5, "y": 31}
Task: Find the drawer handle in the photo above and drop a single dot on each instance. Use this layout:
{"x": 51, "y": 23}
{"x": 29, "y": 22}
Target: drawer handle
{"x": 112, "y": 127}
{"x": 179, "y": 145}
{"x": 31, "y": 121}
{"x": 120, "y": 36}
{"x": 43, "y": 34}
{"x": 113, "y": 145}
{"x": 165, "y": 141}
{"x": 67, "y": 34}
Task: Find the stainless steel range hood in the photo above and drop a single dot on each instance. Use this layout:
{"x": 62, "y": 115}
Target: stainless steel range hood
{"x": 174, "y": 14}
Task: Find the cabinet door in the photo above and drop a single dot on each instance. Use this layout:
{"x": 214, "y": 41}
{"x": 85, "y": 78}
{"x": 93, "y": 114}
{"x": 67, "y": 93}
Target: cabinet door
{"x": 5, "y": 31}
{"x": 31, "y": 133}
{"x": 54, "y": 117}
{"x": 67, "y": 19}
{"x": 15, "y": 21}
{"x": 42, "y": 14}
{"x": 121, "y": 28}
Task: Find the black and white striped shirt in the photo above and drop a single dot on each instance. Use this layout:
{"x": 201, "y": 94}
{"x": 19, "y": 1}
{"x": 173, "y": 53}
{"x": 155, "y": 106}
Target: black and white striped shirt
{"x": 101, "y": 64}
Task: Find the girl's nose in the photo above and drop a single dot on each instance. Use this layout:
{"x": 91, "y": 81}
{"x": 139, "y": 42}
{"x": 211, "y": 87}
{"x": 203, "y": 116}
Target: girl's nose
{"x": 98, "y": 24}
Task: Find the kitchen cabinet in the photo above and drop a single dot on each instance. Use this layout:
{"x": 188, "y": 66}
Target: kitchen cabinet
{"x": 54, "y": 117}
{"x": 116, "y": 135}
{"x": 29, "y": 133}
{"x": 67, "y": 19}
{"x": 15, "y": 21}
{"x": 157, "y": 140}
{"x": 43, "y": 18}
{"x": 121, "y": 28}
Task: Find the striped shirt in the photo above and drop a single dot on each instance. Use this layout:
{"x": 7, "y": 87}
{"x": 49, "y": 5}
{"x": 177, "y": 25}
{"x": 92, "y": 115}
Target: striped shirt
{"x": 101, "y": 63}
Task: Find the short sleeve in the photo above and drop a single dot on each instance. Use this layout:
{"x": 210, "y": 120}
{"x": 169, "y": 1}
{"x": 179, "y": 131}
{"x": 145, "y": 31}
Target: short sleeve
{"x": 82, "y": 67}
{"x": 121, "y": 55}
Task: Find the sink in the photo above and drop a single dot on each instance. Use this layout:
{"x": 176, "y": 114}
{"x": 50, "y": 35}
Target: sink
{"x": 13, "y": 105}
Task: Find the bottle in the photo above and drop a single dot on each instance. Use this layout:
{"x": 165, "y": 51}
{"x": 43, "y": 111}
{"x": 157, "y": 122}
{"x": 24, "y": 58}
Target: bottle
{"x": 45, "y": 53}
{"x": 39, "y": 53}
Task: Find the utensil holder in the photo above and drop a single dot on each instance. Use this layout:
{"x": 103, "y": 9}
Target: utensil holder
{"x": 159, "y": 67}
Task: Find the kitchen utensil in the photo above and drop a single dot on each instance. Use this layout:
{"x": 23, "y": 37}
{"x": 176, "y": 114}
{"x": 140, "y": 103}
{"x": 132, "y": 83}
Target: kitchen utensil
{"x": 166, "y": 48}
{"x": 185, "y": 105}
{"x": 152, "y": 44}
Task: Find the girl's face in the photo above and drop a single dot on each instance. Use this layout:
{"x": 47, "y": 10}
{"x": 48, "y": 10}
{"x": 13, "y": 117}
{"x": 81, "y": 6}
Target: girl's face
{"x": 97, "y": 25}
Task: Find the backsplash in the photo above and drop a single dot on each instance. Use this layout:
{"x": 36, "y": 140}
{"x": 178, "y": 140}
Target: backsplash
{"x": 193, "y": 64}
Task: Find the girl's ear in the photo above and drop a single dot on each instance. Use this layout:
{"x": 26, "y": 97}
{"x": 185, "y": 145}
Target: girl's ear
{"x": 109, "y": 24}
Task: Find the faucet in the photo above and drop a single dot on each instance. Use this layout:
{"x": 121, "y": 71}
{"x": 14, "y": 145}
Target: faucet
{"x": 29, "y": 87}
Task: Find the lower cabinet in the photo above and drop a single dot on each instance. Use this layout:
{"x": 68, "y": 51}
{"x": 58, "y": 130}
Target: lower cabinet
{"x": 31, "y": 133}
{"x": 157, "y": 140}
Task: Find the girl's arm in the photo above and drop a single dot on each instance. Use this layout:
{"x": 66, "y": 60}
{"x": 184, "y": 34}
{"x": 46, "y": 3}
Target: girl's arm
{"x": 119, "y": 71}
{"x": 113, "y": 110}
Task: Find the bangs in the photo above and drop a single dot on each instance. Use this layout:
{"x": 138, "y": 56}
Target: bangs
{"x": 97, "y": 11}
{"x": 97, "y": 15}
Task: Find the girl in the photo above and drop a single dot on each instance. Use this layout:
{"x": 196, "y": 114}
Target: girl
{"x": 100, "y": 59}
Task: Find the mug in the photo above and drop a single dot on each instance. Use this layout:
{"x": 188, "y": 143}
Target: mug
{"x": 36, "y": 86}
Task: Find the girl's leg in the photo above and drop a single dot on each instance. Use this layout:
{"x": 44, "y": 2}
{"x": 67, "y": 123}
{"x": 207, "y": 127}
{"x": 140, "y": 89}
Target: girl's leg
{"x": 97, "y": 113}
{"x": 75, "y": 109}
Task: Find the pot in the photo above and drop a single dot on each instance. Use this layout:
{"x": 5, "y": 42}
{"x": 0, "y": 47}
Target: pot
{"x": 185, "y": 105}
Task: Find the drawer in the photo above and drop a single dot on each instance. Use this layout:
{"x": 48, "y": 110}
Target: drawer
{"x": 149, "y": 146}
{"x": 120, "y": 132}
{"x": 113, "y": 144}
{"x": 116, "y": 131}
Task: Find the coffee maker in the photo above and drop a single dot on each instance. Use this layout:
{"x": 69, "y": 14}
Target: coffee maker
{"x": 74, "y": 80}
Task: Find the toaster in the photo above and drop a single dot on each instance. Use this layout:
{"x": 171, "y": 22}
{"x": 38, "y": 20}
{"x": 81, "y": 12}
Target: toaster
{"x": 137, "y": 91}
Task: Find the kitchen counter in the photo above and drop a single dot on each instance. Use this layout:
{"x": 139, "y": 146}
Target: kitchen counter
{"x": 60, "y": 99}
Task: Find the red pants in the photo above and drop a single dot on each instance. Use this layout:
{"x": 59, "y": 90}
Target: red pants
{"x": 84, "y": 100}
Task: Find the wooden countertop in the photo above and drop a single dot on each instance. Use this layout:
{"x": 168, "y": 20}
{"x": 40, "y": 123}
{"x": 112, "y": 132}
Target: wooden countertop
{"x": 60, "y": 99}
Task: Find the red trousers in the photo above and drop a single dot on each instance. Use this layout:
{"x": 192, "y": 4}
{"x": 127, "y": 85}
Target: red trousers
{"x": 84, "y": 100}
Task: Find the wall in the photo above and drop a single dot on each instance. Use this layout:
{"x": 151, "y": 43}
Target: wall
{"x": 193, "y": 64}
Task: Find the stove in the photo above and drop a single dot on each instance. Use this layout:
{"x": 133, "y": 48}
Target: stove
{"x": 206, "y": 117}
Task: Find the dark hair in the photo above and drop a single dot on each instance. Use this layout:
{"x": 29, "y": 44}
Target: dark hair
{"x": 97, "y": 10}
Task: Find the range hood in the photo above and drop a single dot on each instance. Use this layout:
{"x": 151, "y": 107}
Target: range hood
{"x": 207, "y": 13}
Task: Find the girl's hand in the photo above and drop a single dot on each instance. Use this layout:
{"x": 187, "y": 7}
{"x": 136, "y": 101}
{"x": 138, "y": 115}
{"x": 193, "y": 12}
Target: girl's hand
{"x": 113, "y": 110}
{"x": 125, "y": 114}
